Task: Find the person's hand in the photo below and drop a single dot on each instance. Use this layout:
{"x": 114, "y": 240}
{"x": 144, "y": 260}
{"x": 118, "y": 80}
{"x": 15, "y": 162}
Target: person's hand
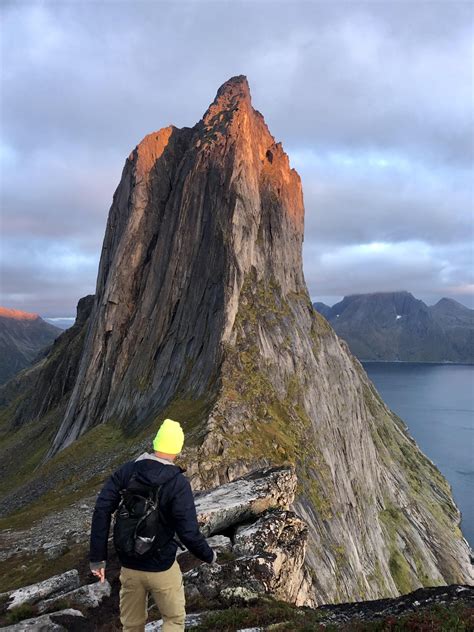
{"x": 100, "y": 573}
{"x": 214, "y": 557}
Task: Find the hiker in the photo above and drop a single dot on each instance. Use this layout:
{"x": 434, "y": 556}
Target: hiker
{"x": 154, "y": 502}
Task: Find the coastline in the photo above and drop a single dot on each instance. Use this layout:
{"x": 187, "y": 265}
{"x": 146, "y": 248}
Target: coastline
{"x": 440, "y": 362}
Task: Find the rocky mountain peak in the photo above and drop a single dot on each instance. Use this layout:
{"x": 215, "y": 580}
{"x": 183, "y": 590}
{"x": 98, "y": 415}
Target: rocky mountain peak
{"x": 451, "y": 305}
{"x": 202, "y": 314}
{"x": 233, "y": 94}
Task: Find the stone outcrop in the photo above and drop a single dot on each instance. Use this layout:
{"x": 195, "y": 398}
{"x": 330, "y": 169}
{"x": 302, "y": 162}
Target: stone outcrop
{"x": 54, "y": 586}
{"x": 201, "y": 313}
{"x": 88, "y": 596}
{"x": 245, "y": 498}
{"x": 277, "y": 569}
{"x": 268, "y": 541}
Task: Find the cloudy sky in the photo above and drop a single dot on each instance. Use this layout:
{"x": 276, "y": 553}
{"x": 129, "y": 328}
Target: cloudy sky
{"x": 372, "y": 102}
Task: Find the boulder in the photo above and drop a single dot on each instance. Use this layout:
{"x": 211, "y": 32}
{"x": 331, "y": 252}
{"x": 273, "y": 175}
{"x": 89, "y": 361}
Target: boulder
{"x": 89, "y": 596}
{"x": 245, "y": 498}
{"x": 270, "y": 559}
{"x": 256, "y": 573}
{"x": 54, "y": 586}
{"x": 68, "y": 620}
{"x": 272, "y": 531}
{"x": 283, "y": 534}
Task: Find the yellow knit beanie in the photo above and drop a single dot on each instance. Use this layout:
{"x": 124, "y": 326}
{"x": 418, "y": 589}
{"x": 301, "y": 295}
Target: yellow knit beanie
{"x": 169, "y": 438}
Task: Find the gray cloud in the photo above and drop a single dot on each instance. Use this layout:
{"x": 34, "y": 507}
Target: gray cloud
{"x": 371, "y": 100}
{"x": 358, "y": 198}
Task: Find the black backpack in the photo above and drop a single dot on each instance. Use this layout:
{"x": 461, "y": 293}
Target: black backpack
{"x": 138, "y": 520}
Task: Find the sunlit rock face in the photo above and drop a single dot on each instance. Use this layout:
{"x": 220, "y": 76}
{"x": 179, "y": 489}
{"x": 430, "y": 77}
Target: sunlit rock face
{"x": 196, "y": 212}
{"x": 202, "y": 313}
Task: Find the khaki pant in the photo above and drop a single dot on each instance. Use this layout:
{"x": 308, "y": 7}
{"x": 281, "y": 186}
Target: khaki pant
{"x": 167, "y": 590}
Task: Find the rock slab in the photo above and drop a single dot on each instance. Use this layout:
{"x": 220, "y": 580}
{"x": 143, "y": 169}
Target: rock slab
{"x": 68, "y": 620}
{"x": 54, "y": 586}
{"x": 245, "y": 498}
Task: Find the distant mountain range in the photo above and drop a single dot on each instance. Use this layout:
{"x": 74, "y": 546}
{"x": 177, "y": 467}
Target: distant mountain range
{"x": 22, "y": 336}
{"x": 395, "y": 326}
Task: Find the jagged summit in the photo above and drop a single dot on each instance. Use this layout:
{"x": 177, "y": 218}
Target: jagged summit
{"x": 201, "y": 313}
{"x": 233, "y": 93}
{"x": 235, "y": 86}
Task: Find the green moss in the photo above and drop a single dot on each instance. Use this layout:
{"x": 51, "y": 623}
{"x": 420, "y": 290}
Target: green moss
{"x": 226, "y": 556}
{"x": 32, "y": 441}
{"x": 320, "y": 328}
{"x": 265, "y": 612}
{"x": 191, "y": 413}
{"x": 315, "y": 483}
{"x": 378, "y": 578}
{"x": 22, "y": 569}
{"x": 426, "y": 483}
{"x": 279, "y": 427}
{"x": 424, "y": 578}
{"x": 340, "y": 553}
{"x": 426, "y": 486}
{"x": 395, "y": 523}
{"x": 400, "y": 572}
{"x": 361, "y": 588}
{"x": 25, "y": 611}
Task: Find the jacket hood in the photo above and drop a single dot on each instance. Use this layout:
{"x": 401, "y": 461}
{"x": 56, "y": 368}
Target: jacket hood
{"x": 154, "y": 471}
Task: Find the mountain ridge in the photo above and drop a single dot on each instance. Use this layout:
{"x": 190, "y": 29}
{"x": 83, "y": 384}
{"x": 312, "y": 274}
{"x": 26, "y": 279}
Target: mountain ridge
{"x": 395, "y": 326}
{"x": 23, "y": 335}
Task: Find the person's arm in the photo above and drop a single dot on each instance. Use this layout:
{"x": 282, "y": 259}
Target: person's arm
{"x": 183, "y": 513}
{"x": 106, "y": 503}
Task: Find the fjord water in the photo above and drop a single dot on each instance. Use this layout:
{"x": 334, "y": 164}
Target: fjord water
{"x": 436, "y": 401}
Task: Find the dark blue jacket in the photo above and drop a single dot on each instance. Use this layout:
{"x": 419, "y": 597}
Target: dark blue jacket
{"x": 177, "y": 506}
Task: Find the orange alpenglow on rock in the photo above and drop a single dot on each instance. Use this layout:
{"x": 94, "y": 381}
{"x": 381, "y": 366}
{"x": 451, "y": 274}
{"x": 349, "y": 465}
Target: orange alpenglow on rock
{"x": 219, "y": 197}
{"x": 17, "y": 314}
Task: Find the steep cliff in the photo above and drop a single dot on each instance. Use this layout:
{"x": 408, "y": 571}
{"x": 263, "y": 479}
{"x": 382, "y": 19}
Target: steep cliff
{"x": 201, "y": 312}
{"x": 397, "y": 326}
